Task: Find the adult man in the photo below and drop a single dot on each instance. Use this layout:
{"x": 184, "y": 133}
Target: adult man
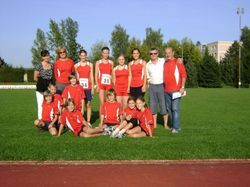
{"x": 174, "y": 81}
{"x": 154, "y": 69}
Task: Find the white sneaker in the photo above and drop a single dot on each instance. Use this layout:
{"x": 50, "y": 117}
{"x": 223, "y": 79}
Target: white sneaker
{"x": 174, "y": 131}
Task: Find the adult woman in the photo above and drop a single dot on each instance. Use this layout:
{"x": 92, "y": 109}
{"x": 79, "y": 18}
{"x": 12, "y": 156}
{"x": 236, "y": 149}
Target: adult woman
{"x": 103, "y": 71}
{"x": 84, "y": 72}
{"x": 63, "y": 67}
{"x": 43, "y": 74}
{"x": 120, "y": 81}
{"x": 137, "y": 75}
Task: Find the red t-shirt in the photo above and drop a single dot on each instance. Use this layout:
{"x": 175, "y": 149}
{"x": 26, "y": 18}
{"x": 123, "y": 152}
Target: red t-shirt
{"x": 49, "y": 110}
{"x": 121, "y": 79}
{"x": 104, "y": 74}
{"x": 58, "y": 101}
{"x": 137, "y": 74}
{"x": 74, "y": 120}
{"x": 111, "y": 112}
{"x": 146, "y": 117}
{"x": 173, "y": 73}
{"x": 132, "y": 112}
{"x": 84, "y": 75}
{"x": 62, "y": 70}
{"x": 76, "y": 92}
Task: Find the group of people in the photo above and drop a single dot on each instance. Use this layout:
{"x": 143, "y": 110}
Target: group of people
{"x": 122, "y": 107}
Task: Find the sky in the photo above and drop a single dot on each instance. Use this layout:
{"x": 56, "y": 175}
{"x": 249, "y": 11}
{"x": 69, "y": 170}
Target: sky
{"x": 199, "y": 20}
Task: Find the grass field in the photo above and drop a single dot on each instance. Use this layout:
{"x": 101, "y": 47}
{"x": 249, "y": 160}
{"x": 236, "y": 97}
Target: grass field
{"x": 215, "y": 124}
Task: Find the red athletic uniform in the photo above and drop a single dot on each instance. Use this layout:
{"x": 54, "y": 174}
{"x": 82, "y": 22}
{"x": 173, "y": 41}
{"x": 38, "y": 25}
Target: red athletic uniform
{"x": 49, "y": 111}
{"x": 62, "y": 70}
{"x": 76, "y": 92}
{"x": 84, "y": 75}
{"x": 104, "y": 75}
{"x": 58, "y": 101}
{"x": 173, "y": 73}
{"x": 132, "y": 112}
{"x": 146, "y": 117}
{"x": 74, "y": 121}
{"x": 121, "y": 81}
{"x": 137, "y": 74}
{"x": 111, "y": 112}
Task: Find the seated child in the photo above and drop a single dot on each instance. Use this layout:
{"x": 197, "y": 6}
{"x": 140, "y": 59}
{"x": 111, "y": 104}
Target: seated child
{"x": 111, "y": 113}
{"x": 75, "y": 122}
{"x": 49, "y": 114}
{"x": 130, "y": 120}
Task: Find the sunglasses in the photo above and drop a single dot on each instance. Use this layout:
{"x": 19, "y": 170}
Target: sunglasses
{"x": 62, "y": 52}
{"x": 153, "y": 53}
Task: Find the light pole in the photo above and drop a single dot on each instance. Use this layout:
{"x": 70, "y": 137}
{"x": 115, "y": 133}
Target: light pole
{"x": 240, "y": 11}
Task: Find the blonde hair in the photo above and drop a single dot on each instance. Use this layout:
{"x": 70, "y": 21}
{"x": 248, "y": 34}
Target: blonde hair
{"x": 47, "y": 93}
{"x": 60, "y": 49}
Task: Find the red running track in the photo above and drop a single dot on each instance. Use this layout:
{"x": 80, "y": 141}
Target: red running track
{"x": 126, "y": 174}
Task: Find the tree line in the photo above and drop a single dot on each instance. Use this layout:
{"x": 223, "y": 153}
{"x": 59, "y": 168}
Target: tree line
{"x": 202, "y": 68}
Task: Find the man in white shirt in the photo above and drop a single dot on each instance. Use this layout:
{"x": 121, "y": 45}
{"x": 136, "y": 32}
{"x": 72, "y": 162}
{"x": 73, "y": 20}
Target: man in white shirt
{"x": 154, "y": 70}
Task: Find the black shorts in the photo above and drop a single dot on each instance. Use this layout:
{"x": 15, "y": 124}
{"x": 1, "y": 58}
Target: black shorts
{"x": 78, "y": 134}
{"x": 136, "y": 92}
{"x": 46, "y": 125}
{"x": 133, "y": 121}
{"x": 88, "y": 95}
{"x": 111, "y": 124}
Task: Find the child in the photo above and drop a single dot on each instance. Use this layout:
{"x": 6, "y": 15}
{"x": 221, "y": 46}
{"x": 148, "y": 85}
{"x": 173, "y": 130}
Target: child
{"x": 111, "y": 113}
{"x": 84, "y": 72}
{"x": 57, "y": 98}
{"x": 145, "y": 117}
{"x": 75, "y": 122}
{"x": 130, "y": 114}
{"x": 49, "y": 114}
{"x": 74, "y": 91}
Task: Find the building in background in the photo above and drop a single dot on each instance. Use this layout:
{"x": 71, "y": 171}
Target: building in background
{"x": 217, "y": 49}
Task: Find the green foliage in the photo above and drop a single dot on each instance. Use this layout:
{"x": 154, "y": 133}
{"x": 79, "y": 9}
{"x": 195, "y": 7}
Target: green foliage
{"x": 192, "y": 72}
{"x": 245, "y": 38}
{"x": 133, "y": 43}
{"x": 96, "y": 51}
{"x": 10, "y": 74}
{"x": 209, "y": 74}
{"x": 119, "y": 41}
{"x": 40, "y": 44}
{"x": 208, "y": 132}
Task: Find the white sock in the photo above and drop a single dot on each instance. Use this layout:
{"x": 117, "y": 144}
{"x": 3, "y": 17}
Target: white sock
{"x": 122, "y": 132}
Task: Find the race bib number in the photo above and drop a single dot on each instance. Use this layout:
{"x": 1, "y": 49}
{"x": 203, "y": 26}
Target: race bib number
{"x": 84, "y": 82}
{"x": 106, "y": 79}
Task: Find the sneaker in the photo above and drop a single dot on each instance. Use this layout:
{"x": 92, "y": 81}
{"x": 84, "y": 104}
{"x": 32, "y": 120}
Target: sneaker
{"x": 174, "y": 131}
{"x": 107, "y": 131}
{"x": 119, "y": 135}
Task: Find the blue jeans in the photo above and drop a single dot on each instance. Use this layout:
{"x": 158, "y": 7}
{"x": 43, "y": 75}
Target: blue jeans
{"x": 173, "y": 108}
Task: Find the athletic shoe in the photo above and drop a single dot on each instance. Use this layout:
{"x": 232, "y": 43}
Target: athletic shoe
{"x": 107, "y": 131}
{"x": 174, "y": 131}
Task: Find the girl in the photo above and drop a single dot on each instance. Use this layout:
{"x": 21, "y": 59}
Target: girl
{"x": 120, "y": 81}
{"x": 75, "y": 122}
{"x": 137, "y": 75}
{"x": 74, "y": 91}
{"x": 43, "y": 74}
{"x": 103, "y": 70}
{"x": 84, "y": 72}
{"x": 49, "y": 114}
{"x": 146, "y": 121}
{"x": 130, "y": 120}
{"x": 111, "y": 112}
{"x": 57, "y": 98}
{"x": 63, "y": 67}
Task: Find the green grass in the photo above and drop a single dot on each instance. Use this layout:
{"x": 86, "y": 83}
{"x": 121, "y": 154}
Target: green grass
{"x": 215, "y": 124}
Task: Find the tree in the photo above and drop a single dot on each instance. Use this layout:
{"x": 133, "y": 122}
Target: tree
{"x": 192, "y": 74}
{"x": 69, "y": 29}
{"x": 133, "y": 43}
{"x": 55, "y": 37}
{"x": 154, "y": 39}
{"x": 209, "y": 74}
{"x": 96, "y": 51}
{"x": 119, "y": 41}
{"x": 40, "y": 44}
{"x": 230, "y": 66}
{"x": 245, "y": 38}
